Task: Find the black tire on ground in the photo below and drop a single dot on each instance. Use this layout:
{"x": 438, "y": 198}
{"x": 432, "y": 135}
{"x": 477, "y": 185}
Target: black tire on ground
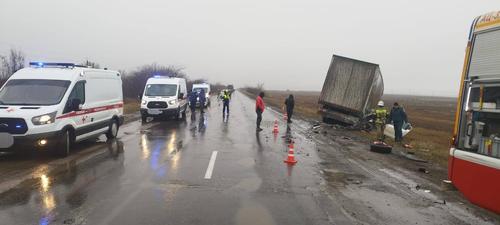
{"x": 64, "y": 146}
{"x": 385, "y": 149}
{"x": 112, "y": 130}
{"x": 144, "y": 118}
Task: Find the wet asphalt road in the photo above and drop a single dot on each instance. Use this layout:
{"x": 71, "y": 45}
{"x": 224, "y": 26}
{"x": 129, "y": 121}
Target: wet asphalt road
{"x": 156, "y": 173}
{"x": 207, "y": 170}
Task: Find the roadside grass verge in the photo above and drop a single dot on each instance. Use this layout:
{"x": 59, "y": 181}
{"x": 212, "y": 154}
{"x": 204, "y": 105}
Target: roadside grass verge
{"x": 131, "y": 106}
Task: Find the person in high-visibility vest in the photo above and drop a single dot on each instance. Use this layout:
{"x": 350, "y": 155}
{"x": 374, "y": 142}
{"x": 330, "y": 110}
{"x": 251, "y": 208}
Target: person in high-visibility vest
{"x": 225, "y": 101}
{"x": 381, "y": 115}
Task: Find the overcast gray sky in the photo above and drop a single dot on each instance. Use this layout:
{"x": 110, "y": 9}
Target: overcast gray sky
{"x": 286, "y": 44}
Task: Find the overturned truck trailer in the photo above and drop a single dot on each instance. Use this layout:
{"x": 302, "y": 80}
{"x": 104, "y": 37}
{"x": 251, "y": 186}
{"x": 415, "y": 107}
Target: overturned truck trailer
{"x": 351, "y": 90}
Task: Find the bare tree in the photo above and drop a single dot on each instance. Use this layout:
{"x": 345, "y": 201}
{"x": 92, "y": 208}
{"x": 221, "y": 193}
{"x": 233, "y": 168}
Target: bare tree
{"x": 91, "y": 64}
{"x": 11, "y": 63}
{"x": 133, "y": 82}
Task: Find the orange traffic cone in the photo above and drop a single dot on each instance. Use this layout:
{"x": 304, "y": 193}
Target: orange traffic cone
{"x": 275, "y": 129}
{"x": 291, "y": 155}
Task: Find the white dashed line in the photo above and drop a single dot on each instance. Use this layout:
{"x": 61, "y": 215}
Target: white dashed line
{"x": 211, "y": 164}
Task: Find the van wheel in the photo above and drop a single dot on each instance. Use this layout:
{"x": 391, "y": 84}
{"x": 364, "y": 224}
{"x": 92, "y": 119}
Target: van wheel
{"x": 64, "y": 147}
{"x": 144, "y": 118}
{"x": 184, "y": 113}
{"x": 113, "y": 130}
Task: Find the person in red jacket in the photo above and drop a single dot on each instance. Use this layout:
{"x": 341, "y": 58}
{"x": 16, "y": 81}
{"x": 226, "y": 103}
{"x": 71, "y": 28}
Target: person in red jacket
{"x": 259, "y": 109}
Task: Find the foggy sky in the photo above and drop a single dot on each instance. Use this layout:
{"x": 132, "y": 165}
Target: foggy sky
{"x": 285, "y": 44}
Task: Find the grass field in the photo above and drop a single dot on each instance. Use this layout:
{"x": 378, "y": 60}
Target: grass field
{"x": 431, "y": 117}
{"x": 131, "y": 106}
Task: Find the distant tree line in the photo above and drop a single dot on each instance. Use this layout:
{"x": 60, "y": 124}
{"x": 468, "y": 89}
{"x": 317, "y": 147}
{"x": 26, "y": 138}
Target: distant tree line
{"x": 133, "y": 81}
{"x": 9, "y": 64}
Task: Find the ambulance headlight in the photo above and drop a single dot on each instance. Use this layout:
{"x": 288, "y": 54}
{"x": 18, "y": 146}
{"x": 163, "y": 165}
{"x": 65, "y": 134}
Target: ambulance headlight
{"x": 144, "y": 102}
{"x": 172, "y": 102}
{"x": 44, "y": 119}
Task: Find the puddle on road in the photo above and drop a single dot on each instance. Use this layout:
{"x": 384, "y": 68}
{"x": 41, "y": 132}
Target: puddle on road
{"x": 247, "y": 162}
{"x": 338, "y": 178}
{"x": 249, "y": 184}
{"x": 252, "y": 213}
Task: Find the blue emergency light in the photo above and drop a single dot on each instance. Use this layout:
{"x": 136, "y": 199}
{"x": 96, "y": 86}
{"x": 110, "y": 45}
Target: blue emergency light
{"x": 51, "y": 64}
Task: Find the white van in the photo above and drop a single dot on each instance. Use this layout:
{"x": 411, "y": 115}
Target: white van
{"x": 53, "y": 105}
{"x": 164, "y": 97}
{"x": 206, "y": 87}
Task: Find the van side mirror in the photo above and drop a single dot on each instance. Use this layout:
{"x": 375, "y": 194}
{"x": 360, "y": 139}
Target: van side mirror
{"x": 181, "y": 95}
{"x": 75, "y": 104}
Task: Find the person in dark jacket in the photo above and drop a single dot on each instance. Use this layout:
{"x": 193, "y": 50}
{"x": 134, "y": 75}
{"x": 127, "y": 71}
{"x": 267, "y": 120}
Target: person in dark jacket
{"x": 289, "y": 104}
{"x": 259, "y": 109}
{"x": 398, "y": 118}
{"x": 202, "y": 100}
{"x": 192, "y": 103}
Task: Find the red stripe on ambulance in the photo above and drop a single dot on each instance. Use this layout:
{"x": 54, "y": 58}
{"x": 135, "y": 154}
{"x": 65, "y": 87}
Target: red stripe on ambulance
{"x": 90, "y": 110}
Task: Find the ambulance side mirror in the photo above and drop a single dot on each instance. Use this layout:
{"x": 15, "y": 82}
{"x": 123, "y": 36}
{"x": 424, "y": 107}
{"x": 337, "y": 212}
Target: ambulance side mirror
{"x": 181, "y": 95}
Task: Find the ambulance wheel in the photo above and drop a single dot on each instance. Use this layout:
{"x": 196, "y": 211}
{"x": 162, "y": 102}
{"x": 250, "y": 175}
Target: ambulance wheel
{"x": 184, "y": 113}
{"x": 113, "y": 130}
{"x": 64, "y": 147}
{"x": 144, "y": 118}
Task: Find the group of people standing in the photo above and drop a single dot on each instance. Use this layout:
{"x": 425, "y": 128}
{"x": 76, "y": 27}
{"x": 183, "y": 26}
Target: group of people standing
{"x": 260, "y": 106}
{"x": 397, "y": 117}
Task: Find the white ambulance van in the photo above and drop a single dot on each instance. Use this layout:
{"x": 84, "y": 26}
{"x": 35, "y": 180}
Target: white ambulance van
{"x": 51, "y": 106}
{"x": 206, "y": 87}
{"x": 164, "y": 97}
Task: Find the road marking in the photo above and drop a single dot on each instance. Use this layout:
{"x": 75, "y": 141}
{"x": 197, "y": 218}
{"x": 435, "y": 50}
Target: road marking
{"x": 210, "y": 169}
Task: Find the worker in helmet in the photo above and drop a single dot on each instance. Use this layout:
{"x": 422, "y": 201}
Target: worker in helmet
{"x": 381, "y": 116}
{"x": 225, "y": 101}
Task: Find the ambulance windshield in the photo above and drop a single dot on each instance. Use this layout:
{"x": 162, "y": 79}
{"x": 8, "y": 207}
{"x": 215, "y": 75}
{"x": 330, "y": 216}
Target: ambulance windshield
{"x": 33, "y": 92}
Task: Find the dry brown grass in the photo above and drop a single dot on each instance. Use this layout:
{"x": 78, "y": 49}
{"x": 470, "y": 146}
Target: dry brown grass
{"x": 431, "y": 117}
{"x": 306, "y": 103}
{"x": 131, "y": 106}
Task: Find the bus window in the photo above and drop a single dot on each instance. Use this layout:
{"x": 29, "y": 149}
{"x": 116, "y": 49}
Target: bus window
{"x": 485, "y": 98}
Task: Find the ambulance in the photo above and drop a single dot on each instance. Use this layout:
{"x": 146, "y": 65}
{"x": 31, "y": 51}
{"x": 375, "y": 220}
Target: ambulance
{"x": 52, "y": 106}
{"x": 164, "y": 97}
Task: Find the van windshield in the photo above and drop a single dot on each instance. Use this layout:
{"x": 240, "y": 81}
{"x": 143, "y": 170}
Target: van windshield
{"x": 161, "y": 90}
{"x": 198, "y": 89}
{"x": 33, "y": 92}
